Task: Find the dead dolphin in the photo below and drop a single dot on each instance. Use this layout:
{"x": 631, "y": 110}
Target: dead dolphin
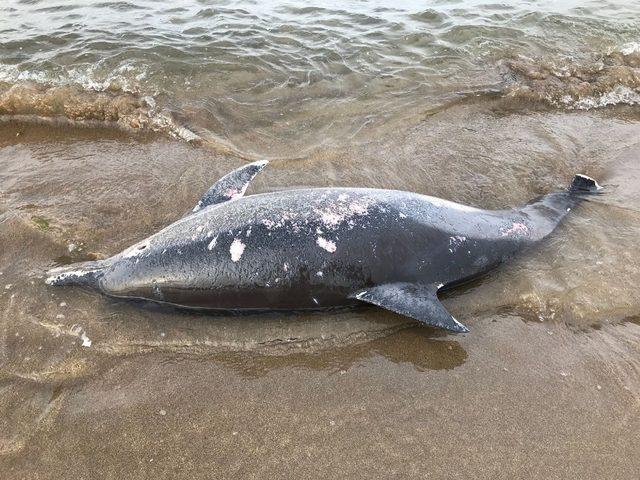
{"x": 321, "y": 247}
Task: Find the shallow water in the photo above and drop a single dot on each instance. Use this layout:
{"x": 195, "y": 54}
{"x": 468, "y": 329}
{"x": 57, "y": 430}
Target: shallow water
{"x": 546, "y": 385}
{"x": 279, "y": 79}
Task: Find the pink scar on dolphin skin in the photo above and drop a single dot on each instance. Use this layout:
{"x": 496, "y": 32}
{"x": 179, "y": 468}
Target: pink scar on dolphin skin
{"x": 336, "y": 213}
{"x": 233, "y": 193}
{"x": 516, "y": 228}
{"x": 328, "y": 245}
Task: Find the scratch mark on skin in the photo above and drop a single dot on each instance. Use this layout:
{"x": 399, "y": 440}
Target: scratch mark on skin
{"x": 199, "y": 230}
{"x": 328, "y": 245}
{"x": 518, "y": 228}
{"x": 334, "y": 214}
{"x": 236, "y": 249}
{"x": 455, "y": 242}
{"x": 212, "y": 243}
{"x": 135, "y": 250}
{"x": 281, "y": 221}
{"x": 359, "y": 208}
{"x": 330, "y": 218}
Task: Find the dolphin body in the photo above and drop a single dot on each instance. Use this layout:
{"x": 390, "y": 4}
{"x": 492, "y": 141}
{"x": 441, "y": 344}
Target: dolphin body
{"x": 321, "y": 247}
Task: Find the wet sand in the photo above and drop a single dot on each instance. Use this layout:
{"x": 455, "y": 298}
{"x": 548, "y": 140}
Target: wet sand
{"x": 546, "y": 385}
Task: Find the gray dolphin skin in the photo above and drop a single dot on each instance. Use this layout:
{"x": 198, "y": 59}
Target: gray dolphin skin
{"x": 320, "y": 248}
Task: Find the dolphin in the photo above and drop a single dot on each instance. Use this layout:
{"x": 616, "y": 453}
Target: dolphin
{"x": 319, "y": 248}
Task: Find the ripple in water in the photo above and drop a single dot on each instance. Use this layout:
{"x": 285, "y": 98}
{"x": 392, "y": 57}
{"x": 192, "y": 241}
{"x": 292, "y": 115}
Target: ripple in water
{"x": 277, "y": 79}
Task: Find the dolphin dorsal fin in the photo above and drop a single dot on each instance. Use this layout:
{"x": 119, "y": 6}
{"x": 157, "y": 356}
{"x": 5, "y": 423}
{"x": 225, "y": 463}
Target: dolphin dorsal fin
{"x": 414, "y": 300}
{"x": 231, "y": 186}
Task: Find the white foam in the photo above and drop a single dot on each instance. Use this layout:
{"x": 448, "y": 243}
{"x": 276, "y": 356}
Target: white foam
{"x": 630, "y": 48}
{"x": 78, "y": 331}
{"x": 86, "y": 341}
{"x": 618, "y": 95}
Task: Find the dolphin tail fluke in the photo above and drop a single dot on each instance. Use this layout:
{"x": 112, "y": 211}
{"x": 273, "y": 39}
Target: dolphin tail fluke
{"x": 86, "y": 274}
{"x": 582, "y": 184}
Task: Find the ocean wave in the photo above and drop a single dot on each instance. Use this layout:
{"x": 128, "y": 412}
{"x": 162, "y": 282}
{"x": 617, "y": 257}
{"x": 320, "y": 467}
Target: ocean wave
{"x": 83, "y": 99}
{"x": 612, "y": 79}
{"x": 125, "y": 76}
{"x": 122, "y": 98}
{"x": 31, "y": 101}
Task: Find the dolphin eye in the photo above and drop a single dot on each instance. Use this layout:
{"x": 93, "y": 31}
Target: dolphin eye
{"x": 142, "y": 247}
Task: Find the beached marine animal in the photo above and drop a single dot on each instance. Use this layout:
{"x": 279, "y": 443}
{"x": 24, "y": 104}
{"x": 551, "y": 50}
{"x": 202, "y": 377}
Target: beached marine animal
{"x": 321, "y": 247}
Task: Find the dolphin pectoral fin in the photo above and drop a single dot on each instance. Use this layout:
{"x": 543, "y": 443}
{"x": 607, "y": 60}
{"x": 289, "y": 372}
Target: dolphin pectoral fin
{"x": 231, "y": 186}
{"x": 412, "y": 300}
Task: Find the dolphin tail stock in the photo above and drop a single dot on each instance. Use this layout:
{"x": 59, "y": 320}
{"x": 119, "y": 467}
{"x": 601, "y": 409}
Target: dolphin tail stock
{"x": 87, "y": 274}
{"x": 548, "y": 211}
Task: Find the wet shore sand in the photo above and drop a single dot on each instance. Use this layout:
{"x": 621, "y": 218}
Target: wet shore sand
{"x": 546, "y": 385}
